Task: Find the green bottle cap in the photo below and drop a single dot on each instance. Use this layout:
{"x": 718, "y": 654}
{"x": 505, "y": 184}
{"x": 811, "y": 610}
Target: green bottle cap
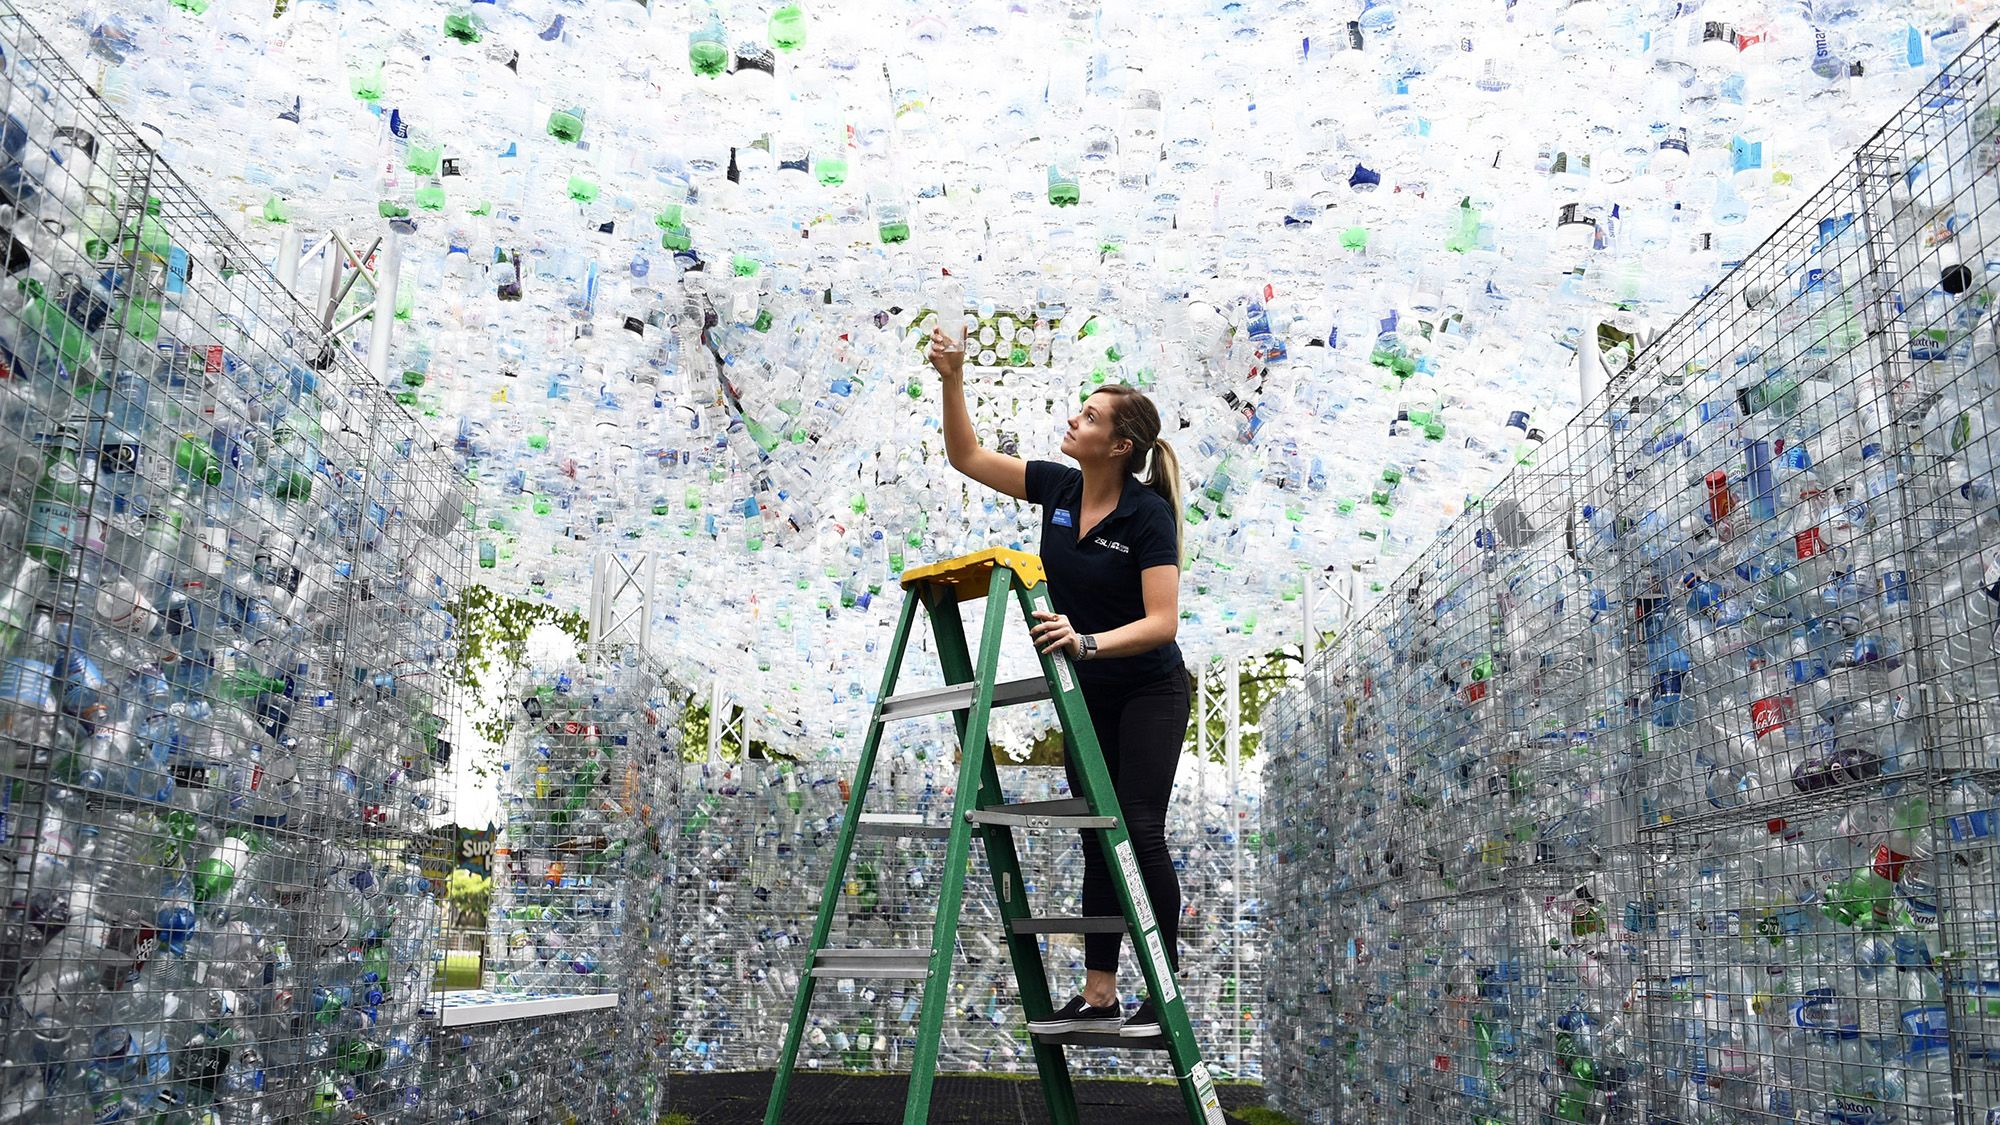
{"x": 216, "y": 875}
{"x": 212, "y": 879}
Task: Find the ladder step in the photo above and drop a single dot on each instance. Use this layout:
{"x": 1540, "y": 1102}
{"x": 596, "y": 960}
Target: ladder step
{"x": 1107, "y": 925}
{"x": 1101, "y": 1039}
{"x": 909, "y": 825}
{"x": 958, "y": 697}
{"x": 1073, "y": 813}
{"x": 872, "y": 963}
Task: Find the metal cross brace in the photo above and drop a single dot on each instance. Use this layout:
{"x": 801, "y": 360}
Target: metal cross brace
{"x": 621, "y": 601}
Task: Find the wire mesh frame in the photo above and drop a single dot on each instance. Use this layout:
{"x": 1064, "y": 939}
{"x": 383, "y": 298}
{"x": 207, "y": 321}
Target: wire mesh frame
{"x": 303, "y": 1004}
{"x": 618, "y": 723}
{"x": 1897, "y": 414}
{"x": 1298, "y": 991}
{"x": 46, "y": 1015}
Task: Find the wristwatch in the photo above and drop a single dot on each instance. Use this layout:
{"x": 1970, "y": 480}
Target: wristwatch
{"x": 1086, "y": 646}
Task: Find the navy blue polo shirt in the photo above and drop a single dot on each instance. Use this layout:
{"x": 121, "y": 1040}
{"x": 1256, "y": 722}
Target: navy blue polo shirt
{"x": 1095, "y": 582}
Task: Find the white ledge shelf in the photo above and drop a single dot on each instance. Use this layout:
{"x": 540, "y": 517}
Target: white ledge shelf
{"x": 465, "y": 1009}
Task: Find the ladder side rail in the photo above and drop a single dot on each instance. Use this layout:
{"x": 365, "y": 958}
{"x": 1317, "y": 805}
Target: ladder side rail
{"x": 1197, "y": 1087}
{"x": 843, "y": 849}
{"x": 1004, "y": 865}
{"x": 951, "y": 892}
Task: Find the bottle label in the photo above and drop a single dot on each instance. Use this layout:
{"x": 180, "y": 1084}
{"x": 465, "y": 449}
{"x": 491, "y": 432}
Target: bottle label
{"x": 1926, "y": 1028}
{"x": 136, "y": 946}
{"x": 51, "y": 523}
{"x": 1805, "y": 671}
{"x": 1768, "y": 716}
{"x": 1808, "y": 543}
{"x": 118, "y": 457}
{"x": 1888, "y": 863}
{"x": 1982, "y": 998}
{"x": 1895, "y": 587}
{"x": 25, "y": 684}
{"x": 1975, "y": 825}
{"x": 1811, "y": 1012}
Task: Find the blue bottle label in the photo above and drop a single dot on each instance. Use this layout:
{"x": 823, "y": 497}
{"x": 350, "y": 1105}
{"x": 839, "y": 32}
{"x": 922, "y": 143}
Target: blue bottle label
{"x": 1976, "y": 825}
{"x": 1925, "y": 1027}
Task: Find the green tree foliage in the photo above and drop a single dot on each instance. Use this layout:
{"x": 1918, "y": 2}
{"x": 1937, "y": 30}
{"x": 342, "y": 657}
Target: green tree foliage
{"x": 493, "y": 636}
{"x": 694, "y": 738}
{"x": 494, "y": 629}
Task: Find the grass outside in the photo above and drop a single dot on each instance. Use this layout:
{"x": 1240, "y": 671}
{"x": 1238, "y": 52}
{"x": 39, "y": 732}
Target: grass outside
{"x": 1258, "y": 1115}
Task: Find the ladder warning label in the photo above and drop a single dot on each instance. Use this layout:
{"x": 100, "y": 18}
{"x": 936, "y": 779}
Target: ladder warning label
{"x": 1204, "y": 1090}
{"x": 1142, "y": 905}
{"x": 1161, "y": 969}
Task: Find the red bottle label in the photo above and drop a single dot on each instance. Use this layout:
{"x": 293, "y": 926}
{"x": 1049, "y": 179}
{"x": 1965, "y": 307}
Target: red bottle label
{"x": 1769, "y": 715}
{"x": 1889, "y": 863}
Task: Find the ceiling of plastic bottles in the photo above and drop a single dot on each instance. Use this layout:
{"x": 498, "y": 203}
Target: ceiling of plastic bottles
{"x": 665, "y": 272}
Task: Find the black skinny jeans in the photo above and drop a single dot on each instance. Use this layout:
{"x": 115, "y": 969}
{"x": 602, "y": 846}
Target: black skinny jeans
{"x": 1141, "y": 731}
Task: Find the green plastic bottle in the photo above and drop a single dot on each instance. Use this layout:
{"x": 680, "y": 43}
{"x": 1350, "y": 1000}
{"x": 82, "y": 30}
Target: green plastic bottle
{"x": 1465, "y": 236}
{"x": 365, "y": 81}
{"x": 566, "y": 123}
{"x": 63, "y": 339}
{"x": 215, "y": 874}
{"x": 424, "y": 158}
{"x": 830, "y": 159}
{"x": 56, "y": 511}
{"x": 247, "y": 684}
{"x": 193, "y": 457}
{"x": 708, "y": 47}
{"x": 892, "y": 222}
{"x": 464, "y": 27}
{"x": 788, "y": 27}
{"x": 1064, "y": 190}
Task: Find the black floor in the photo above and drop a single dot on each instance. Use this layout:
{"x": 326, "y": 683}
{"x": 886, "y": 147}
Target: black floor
{"x": 868, "y": 1099}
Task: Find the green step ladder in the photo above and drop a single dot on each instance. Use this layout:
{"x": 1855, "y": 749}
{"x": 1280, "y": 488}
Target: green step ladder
{"x": 992, "y": 574}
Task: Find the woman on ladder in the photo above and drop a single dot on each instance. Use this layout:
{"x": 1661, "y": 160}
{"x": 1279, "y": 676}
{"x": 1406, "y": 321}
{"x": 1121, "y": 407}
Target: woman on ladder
{"x": 1111, "y": 546}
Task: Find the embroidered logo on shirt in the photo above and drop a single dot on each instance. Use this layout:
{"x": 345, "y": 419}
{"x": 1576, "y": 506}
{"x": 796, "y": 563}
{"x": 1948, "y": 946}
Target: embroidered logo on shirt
{"x": 1114, "y": 546}
{"x": 1061, "y": 518}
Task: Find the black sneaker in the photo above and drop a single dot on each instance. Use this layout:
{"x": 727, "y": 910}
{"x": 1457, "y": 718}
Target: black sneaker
{"x": 1079, "y": 1016}
{"x": 1144, "y": 1024}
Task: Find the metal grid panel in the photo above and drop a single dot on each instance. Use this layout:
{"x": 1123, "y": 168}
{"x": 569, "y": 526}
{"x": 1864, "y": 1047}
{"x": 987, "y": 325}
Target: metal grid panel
{"x": 583, "y": 897}
{"x": 1696, "y": 711}
{"x": 568, "y": 898}
{"x": 560, "y": 1068}
{"x": 227, "y": 561}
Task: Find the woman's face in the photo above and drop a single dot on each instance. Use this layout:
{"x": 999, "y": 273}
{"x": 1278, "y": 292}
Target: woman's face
{"x": 1090, "y": 436}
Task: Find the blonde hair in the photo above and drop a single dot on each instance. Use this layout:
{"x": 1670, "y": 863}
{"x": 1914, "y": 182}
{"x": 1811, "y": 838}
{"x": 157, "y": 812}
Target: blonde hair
{"x": 1152, "y": 460}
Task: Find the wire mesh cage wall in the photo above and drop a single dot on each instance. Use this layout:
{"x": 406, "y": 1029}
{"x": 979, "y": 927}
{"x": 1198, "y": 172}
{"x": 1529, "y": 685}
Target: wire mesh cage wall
{"x": 1661, "y": 787}
{"x": 582, "y": 907}
{"x": 226, "y": 557}
{"x": 579, "y": 854}
{"x": 568, "y": 1067}
{"x": 757, "y": 841}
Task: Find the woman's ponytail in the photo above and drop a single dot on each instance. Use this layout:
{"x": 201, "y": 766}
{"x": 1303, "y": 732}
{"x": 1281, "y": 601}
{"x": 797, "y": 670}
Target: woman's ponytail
{"x": 1165, "y": 479}
{"x": 1152, "y": 460}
